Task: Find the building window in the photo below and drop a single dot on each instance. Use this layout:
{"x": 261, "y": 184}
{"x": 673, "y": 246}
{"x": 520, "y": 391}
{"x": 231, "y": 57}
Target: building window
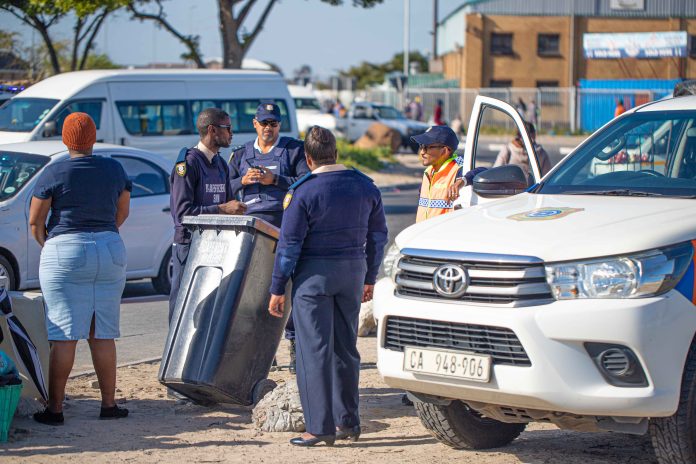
{"x": 549, "y": 94}
{"x": 498, "y": 83}
{"x": 548, "y": 44}
{"x": 501, "y": 44}
{"x": 692, "y": 46}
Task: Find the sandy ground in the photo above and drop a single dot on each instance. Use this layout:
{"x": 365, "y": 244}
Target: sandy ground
{"x": 161, "y": 430}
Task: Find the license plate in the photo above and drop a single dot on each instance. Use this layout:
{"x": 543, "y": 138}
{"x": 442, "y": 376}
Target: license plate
{"x": 448, "y": 363}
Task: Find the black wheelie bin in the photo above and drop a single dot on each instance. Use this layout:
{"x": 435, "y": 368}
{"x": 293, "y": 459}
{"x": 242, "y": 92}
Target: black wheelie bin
{"x": 222, "y": 340}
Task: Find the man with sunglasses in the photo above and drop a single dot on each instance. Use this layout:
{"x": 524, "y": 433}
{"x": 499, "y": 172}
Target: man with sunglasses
{"x": 199, "y": 185}
{"x": 262, "y": 171}
{"x": 443, "y": 176}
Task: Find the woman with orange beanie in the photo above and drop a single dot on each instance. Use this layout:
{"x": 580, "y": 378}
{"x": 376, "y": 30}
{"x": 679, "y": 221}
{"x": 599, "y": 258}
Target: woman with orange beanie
{"x": 83, "y": 262}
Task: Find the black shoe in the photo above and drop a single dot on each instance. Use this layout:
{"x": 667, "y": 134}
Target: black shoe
{"x": 328, "y": 439}
{"x": 293, "y": 362}
{"x": 348, "y": 433}
{"x": 113, "y": 412}
{"x": 49, "y": 417}
{"x": 406, "y": 401}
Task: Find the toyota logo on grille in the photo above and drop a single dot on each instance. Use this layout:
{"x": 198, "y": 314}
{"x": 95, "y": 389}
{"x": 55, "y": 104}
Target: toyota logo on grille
{"x": 450, "y": 280}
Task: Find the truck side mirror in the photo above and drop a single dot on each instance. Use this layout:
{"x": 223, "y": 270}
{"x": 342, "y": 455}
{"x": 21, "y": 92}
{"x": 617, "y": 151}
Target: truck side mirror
{"x": 502, "y": 181}
{"x": 49, "y": 129}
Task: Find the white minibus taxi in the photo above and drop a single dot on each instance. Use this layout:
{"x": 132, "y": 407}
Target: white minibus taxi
{"x": 154, "y": 110}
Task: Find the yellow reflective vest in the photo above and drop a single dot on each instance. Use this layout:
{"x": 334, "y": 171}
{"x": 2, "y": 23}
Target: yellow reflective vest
{"x": 433, "y": 193}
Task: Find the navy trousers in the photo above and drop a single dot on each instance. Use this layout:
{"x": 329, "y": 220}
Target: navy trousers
{"x": 180, "y": 254}
{"x": 326, "y": 297}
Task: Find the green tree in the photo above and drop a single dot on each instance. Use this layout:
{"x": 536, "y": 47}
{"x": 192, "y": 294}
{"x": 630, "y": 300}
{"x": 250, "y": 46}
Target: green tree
{"x": 236, "y": 32}
{"x": 368, "y": 74}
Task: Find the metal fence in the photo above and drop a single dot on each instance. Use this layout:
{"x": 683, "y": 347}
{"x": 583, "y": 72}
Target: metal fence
{"x": 552, "y": 109}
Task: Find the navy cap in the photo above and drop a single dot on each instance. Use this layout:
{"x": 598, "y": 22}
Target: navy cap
{"x": 438, "y": 134}
{"x": 268, "y": 111}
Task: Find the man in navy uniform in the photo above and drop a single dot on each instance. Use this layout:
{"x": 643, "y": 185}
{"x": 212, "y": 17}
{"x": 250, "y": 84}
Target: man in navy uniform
{"x": 331, "y": 244}
{"x": 261, "y": 173}
{"x": 199, "y": 185}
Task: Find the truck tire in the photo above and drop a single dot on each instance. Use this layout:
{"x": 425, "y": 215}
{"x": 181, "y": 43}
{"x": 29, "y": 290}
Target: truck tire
{"x": 461, "y": 427}
{"x": 413, "y": 146}
{"x": 162, "y": 282}
{"x": 674, "y": 437}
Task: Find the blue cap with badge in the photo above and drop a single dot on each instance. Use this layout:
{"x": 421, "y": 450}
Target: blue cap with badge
{"x": 268, "y": 111}
{"x": 438, "y": 134}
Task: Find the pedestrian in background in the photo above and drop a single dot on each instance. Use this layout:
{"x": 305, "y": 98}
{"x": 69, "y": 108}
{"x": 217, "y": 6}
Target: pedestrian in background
{"x": 262, "y": 171}
{"x": 331, "y": 243}
{"x": 200, "y": 185}
{"x": 521, "y": 107}
{"x": 515, "y": 153}
{"x": 533, "y": 112}
{"x": 437, "y": 114}
{"x": 620, "y": 108}
{"x": 82, "y": 271}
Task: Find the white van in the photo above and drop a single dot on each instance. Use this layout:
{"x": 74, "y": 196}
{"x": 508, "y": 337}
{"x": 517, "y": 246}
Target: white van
{"x": 309, "y": 110}
{"x": 154, "y": 110}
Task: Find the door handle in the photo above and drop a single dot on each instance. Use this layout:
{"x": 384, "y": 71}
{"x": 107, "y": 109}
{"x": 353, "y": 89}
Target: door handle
{"x": 166, "y": 209}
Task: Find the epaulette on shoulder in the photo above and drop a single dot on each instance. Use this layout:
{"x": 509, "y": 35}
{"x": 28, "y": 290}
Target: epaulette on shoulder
{"x": 234, "y": 150}
{"x": 363, "y": 174}
{"x": 301, "y": 180}
{"x": 182, "y": 155}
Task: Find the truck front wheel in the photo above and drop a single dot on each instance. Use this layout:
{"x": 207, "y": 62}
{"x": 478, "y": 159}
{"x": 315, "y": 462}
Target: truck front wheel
{"x": 674, "y": 437}
{"x": 459, "y": 426}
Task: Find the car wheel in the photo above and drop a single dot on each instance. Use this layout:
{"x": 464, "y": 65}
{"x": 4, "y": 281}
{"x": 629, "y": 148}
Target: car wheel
{"x": 459, "y": 426}
{"x": 163, "y": 281}
{"x": 413, "y": 145}
{"x": 6, "y": 270}
{"x": 674, "y": 437}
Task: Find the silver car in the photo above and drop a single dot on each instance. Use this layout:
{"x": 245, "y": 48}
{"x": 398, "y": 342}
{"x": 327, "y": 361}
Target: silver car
{"x": 147, "y": 233}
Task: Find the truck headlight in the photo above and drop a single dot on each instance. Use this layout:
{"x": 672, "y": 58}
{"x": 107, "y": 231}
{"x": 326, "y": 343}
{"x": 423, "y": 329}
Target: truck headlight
{"x": 640, "y": 275}
{"x": 391, "y": 261}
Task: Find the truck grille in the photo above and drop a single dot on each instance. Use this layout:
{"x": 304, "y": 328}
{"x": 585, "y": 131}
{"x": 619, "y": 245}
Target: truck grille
{"x": 500, "y": 343}
{"x": 490, "y": 282}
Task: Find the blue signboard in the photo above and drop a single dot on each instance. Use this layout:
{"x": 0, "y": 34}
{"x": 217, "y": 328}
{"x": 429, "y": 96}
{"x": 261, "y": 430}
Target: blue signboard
{"x": 635, "y": 45}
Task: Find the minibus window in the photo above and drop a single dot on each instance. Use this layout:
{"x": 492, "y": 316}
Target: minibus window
{"x": 92, "y": 107}
{"x": 24, "y": 114}
{"x": 155, "y": 118}
{"x": 241, "y": 112}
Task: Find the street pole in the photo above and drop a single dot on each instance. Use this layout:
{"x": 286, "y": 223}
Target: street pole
{"x": 434, "y": 57}
{"x": 407, "y": 46}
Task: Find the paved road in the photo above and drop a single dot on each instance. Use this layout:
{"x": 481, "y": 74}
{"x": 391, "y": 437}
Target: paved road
{"x": 144, "y": 314}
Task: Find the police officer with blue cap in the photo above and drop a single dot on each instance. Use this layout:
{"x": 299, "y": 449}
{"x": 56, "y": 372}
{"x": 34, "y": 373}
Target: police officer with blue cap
{"x": 331, "y": 244}
{"x": 261, "y": 173}
{"x": 199, "y": 185}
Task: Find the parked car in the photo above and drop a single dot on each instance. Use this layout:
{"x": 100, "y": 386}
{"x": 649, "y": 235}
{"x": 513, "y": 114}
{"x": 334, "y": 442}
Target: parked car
{"x": 147, "y": 233}
{"x": 308, "y": 110}
{"x": 572, "y": 302}
{"x": 363, "y": 114}
{"x": 154, "y": 110}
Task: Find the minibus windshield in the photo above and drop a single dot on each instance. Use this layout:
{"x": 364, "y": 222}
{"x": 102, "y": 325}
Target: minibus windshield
{"x": 24, "y": 114}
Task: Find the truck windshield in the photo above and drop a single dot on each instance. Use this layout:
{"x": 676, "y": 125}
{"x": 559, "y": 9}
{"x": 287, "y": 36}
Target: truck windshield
{"x": 15, "y": 171}
{"x": 643, "y": 154}
{"x": 389, "y": 112}
{"x": 307, "y": 104}
{"x": 23, "y": 114}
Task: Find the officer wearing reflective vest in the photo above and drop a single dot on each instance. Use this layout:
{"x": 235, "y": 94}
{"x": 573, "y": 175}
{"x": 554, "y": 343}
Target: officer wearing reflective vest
{"x": 199, "y": 185}
{"x": 331, "y": 244}
{"x": 443, "y": 176}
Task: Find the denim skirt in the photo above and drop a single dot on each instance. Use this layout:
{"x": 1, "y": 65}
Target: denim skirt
{"x": 82, "y": 276}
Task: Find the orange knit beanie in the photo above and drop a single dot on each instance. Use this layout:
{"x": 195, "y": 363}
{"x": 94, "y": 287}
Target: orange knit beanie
{"x": 79, "y": 132}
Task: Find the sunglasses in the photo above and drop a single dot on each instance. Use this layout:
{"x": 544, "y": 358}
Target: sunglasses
{"x": 223, "y": 126}
{"x": 269, "y": 123}
{"x": 429, "y": 147}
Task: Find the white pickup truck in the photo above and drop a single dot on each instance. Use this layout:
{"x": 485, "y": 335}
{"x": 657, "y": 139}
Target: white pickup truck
{"x": 572, "y": 302}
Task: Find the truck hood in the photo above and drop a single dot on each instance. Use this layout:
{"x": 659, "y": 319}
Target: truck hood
{"x": 14, "y": 137}
{"x": 558, "y": 227}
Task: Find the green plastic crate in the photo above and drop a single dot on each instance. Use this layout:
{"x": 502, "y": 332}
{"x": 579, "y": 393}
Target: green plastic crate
{"x": 9, "y": 397}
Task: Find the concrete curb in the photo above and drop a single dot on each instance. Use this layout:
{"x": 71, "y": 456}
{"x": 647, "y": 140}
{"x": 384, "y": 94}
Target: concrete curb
{"x": 131, "y": 363}
{"x": 390, "y": 188}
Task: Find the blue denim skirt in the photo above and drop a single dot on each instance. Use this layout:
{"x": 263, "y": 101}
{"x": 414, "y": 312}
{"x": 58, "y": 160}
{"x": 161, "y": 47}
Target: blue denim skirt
{"x": 82, "y": 276}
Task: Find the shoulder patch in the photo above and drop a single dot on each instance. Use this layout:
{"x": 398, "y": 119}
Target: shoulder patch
{"x": 287, "y": 199}
{"x": 301, "y": 180}
{"x": 363, "y": 174}
{"x": 181, "y": 169}
{"x": 182, "y": 156}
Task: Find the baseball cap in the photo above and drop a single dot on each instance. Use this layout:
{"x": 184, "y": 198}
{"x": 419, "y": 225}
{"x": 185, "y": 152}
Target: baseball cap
{"x": 437, "y": 134}
{"x": 268, "y": 111}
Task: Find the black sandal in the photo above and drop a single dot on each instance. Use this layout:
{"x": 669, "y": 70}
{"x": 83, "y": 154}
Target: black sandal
{"x": 114, "y": 412}
{"x": 49, "y": 417}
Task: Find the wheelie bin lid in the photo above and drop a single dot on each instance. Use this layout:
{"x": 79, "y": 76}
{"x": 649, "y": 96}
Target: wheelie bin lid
{"x": 228, "y": 222}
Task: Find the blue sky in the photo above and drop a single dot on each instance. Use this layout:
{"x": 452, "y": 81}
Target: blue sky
{"x": 297, "y": 32}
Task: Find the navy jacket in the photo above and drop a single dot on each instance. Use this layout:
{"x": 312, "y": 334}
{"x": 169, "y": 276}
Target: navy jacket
{"x": 286, "y": 160}
{"x": 334, "y": 215}
{"x": 197, "y": 187}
